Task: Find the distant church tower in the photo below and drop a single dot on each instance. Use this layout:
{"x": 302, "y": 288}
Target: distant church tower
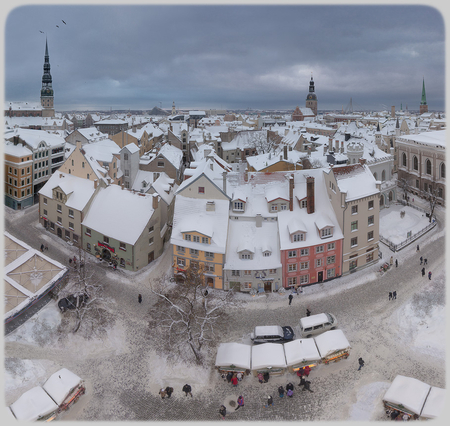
{"x": 48, "y": 109}
{"x": 423, "y": 102}
{"x": 174, "y": 111}
{"x": 311, "y": 99}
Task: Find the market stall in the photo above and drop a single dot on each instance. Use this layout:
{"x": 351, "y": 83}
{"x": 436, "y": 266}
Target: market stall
{"x": 268, "y": 357}
{"x": 300, "y": 353}
{"x": 34, "y": 404}
{"x": 234, "y": 357}
{"x": 406, "y": 395}
{"x": 434, "y": 404}
{"x": 332, "y": 346}
{"x": 64, "y": 387}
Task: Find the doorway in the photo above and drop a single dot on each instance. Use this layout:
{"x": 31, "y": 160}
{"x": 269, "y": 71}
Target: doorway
{"x": 151, "y": 256}
{"x": 59, "y": 232}
{"x": 267, "y": 286}
{"x": 210, "y": 282}
{"x": 320, "y": 276}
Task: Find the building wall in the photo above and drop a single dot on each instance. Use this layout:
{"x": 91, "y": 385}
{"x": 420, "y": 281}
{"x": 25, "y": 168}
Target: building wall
{"x": 18, "y": 181}
{"x": 161, "y": 164}
{"x": 77, "y": 165}
{"x": 203, "y": 188}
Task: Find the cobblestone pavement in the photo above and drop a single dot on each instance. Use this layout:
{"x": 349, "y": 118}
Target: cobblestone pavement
{"x": 120, "y": 385}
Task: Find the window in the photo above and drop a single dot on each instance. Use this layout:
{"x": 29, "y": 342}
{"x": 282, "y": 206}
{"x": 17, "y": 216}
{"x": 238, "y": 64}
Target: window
{"x": 319, "y": 249}
{"x": 299, "y": 237}
{"x": 151, "y": 229}
{"x": 71, "y": 225}
{"x": 247, "y": 272}
{"x": 354, "y": 242}
{"x": 67, "y": 234}
{"x": 443, "y": 170}
{"x": 331, "y": 273}
{"x": 292, "y": 281}
{"x": 238, "y": 206}
{"x": 247, "y": 285}
{"x": 245, "y": 256}
{"x": 272, "y": 271}
{"x": 45, "y": 212}
{"x": 370, "y": 220}
{"x": 195, "y": 238}
{"x": 326, "y": 232}
{"x": 150, "y": 241}
{"x": 88, "y": 232}
{"x": 417, "y": 183}
{"x": 59, "y": 220}
{"x": 70, "y": 213}
{"x": 87, "y": 176}
{"x": 369, "y": 255}
{"x": 127, "y": 173}
{"x": 105, "y": 239}
{"x": 234, "y": 273}
{"x": 209, "y": 254}
{"x": 180, "y": 249}
{"x": 181, "y": 261}
{"x": 319, "y": 263}
{"x": 331, "y": 246}
{"x": 209, "y": 267}
{"x": 160, "y": 163}
{"x": 304, "y": 279}
{"x": 370, "y": 205}
{"x": 88, "y": 247}
{"x": 331, "y": 260}
{"x": 283, "y": 207}
{"x": 292, "y": 267}
{"x": 303, "y": 204}
{"x": 354, "y": 226}
{"x": 45, "y": 201}
{"x": 122, "y": 246}
{"x": 304, "y": 252}
{"x": 52, "y": 226}
{"x": 292, "y": 253}
{"x": 353, "y": 262}
{"x": 370, "y": 236}
{"x": 193, "y": 252}
{"x": 205, "y": 240}
{"x": 304, "y": 265}
{"x": 58, "y": 208}
{"x": 82, "y": 164}
{"x": 415, "y": 163}
{"x": 201, "y": 189}
{"x": 267, "y": 253}
{"x": 404, "y": 160}
{"x": 125, "y": 156}
{"x": 428, "y": 166}
{"x": 274, "y": 207}
{"x": 72, "y": 162}
{"x": 187, "y": 237}
{"x": 354, "y": 209}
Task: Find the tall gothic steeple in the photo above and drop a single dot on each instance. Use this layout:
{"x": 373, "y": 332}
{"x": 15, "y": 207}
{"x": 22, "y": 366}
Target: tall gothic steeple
{"x": 311, "y": 99}
{"x": 423, "y": 103}
{"x": 47, "y": 90}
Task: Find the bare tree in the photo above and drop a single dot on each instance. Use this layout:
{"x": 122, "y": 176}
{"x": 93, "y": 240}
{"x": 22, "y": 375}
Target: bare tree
{"x": 404, "y": 185}
{"x": 262, "y": 141}
{"x": 190, "y": 311}
{"x": 432, "y": 198}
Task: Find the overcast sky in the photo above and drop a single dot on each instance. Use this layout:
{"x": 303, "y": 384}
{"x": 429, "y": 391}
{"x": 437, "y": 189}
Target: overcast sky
{"x": 203, "y": 57}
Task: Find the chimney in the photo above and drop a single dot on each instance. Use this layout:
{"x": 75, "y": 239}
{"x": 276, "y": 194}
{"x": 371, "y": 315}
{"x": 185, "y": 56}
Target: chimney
{"x": 285, "y": 152}
{"x": 258, "y": 220}
{"x": 224, "y": 176}
{"x": 393, "y": 111}
{"x": 310, "y": 194}
{"x": 362, "y": 161}
{"x": 95, "y": 183}
{"x": 336, "y": 145}
{"x": 342, "y": 147}
{"x": 155, "y": 201}
{"x": 330, "y": 144}
{"x": 246, "y": 176}
{"x": 291, "y": 192}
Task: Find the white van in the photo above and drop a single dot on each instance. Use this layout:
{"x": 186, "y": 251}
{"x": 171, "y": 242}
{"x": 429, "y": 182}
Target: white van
{"x": 316, "y": 324}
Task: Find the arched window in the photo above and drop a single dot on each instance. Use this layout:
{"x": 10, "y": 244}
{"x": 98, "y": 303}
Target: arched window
{"x": 442, "y": 170}
{"x": 383, "y": 176}
{"x": 428, "y": 167}
{"x": 404, "y": 160}
{"x": 415, "y": 163}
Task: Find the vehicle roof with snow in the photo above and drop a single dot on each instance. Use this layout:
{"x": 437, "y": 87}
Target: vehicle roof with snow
{"x": 313, "y": 320}
{"x": 409, "y": 392}
{"x": 236, "y": 354}
{"x": 434, "y": 405}
{"x": 33, "y": 404}
{"x": 59, "y": 384}
{"x": 268, "y": 330}
{"x": 268, "y": 355}
{"x": 330, "y": 342}
{"x": 300, "y": 350}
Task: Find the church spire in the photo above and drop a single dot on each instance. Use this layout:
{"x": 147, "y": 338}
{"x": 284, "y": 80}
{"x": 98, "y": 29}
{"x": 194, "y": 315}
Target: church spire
{"x": 47, "y": 90}
{"x": 424, "y": 97}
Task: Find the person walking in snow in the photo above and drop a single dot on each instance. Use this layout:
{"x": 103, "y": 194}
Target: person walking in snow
{"x": 418, "y": 247}
{"x": 423, "y": 272}
{"x": 290, "y": 393}
{"x": 223, "y": 411}
{"x": 229, "y": 376}
{"x": 290, "y": 298}
{"x": 394, "y": 295}
{"x": 305, "y": 383}
{"x": 421, "y": 260}
{"x": 260, "y": 378}
{"x": 361, "y": 363}
{"x": 308, "y": 312}
{"x": 187, "y": 389}
{"x": 169, "y": 391}
{"x": 140, "y": 298}
{"x": 425, "y": 262}
{"x": 240, "y": 402}
{"x": 390, "y": 295}
{"x": 163, "y": 393}
{"x": 42, "y": 248}
{"x": 306, "y": 370}
{"x": 266, "y": 376}
{"x": 289, "y": 387}
{"x": 281, "y": 391}
{"x": 429, "y": 275}
{"x": 396, "y": 263}
{"x": 269, "y": 401}
{"x": 234, "y": 380}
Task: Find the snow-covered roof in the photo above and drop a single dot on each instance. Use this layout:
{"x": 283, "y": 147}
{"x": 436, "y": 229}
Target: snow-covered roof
{"x": 173, "y": 154}
{"x": 59, "y": 384}
{"x": 236, "y": 354}
{"x": 435, "y": 403}
{"x": 34, "y": 137}
{"x": 131, "y": 147}
{"x": 356, "y": 180}
{"x": 268, "y": 355}
{"x": 22, "y": 106}
{"x": 132, "y": 212}
{"x": 330, "y": 342}
{"x": 191, "y": 215}
{"x": 102, "y": 150}
{"x": 16, "y": 150}
{"x": 33, "y": 404}
{"x": 165, "y": 187}
{"x": 409, "y": 392}
{"x": 313, "y": 320}
{"x": 261, "y": 161}
{"x": 276, "y": 192}
{"x": 78, "y": 190}
{"x": 301, "y": 350}
{"x": 436, "y": 138}
{"x": 92, "y": 134}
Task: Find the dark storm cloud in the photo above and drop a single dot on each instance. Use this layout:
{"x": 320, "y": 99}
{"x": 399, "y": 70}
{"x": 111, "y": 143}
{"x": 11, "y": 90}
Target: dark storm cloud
{"x": 226, "y": 56}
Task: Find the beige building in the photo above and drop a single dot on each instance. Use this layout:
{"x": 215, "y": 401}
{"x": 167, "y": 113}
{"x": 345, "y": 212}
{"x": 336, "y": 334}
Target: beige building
{"x": 354, "y": 195}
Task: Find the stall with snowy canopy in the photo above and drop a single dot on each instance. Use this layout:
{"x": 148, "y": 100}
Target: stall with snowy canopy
{"x": 234, "y": 357}
{"x": 301, "y": 353}
{"x": 410, "y": 396}
{"x": 268, "y": 357}
{"x": 332, "y": 346}
{"x": 35, "y": 404}
{"x": 64, "y": 387}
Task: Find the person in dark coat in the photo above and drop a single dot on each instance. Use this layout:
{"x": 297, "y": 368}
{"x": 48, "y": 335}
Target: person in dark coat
{"x": 425, "y": 261}
{"x": 305, "y": 383}
{"x": 308, "y": 312}
{"x": 421, "y": 260}
{"x": 361, "y": 363}
{"x": 418, "y": 247}
{"x": 429, "y": 275}
{"x": 289, "y": 386}
{"x": 396, "y": 263}
{"x": 140, "y": 298}
{"x": 281, "y": 391}
{"x": 290, "y": 298}
{"x": 223, "y": 411}
{"x": 390, "y": 295}
{"x": 229, "y": 376}
{"x": 169, "y": 391}
{"x": 394, "y": 295}
{"x": 187, "y": 389}
{"x": 42, "y": 247}
{"x": 240, "y": 402}
{"x": 423, "y": 272}
{"x": 269, "y": 401}
{"x": 266, "y": 376}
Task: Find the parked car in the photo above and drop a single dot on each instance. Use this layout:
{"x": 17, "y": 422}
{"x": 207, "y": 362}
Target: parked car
{"x": 316, "y": 324}
{"x": 72, "y": 301}
{"x": 272, "y": 334}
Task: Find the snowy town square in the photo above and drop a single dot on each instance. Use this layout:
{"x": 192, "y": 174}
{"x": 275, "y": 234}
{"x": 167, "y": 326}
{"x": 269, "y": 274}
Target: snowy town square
{"x": 124, "y": 363}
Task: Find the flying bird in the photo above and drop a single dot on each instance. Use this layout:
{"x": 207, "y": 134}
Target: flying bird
{"x": 58, "y": 26}
{"x": 41, "y": 31}
{"x": 63, "y": 22}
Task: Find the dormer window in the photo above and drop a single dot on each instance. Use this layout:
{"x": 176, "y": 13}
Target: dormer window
{"x": 267, "y": 253}
{"x": 326, "y": 232}
{"x": 245, "y": 256}
{"x": 303, "y": 204}
{"x": 274, "y": 207}
{"x": 238, "y": 206}
{"x": 299, "y": 236}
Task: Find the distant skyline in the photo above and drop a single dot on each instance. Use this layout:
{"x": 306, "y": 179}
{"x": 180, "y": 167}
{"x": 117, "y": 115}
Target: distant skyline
{"x": 226, "y": 57}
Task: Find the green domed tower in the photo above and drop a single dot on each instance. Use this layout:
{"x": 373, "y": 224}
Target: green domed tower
{"x": 311, "y": 99}
{"x": 48, "y": 109}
